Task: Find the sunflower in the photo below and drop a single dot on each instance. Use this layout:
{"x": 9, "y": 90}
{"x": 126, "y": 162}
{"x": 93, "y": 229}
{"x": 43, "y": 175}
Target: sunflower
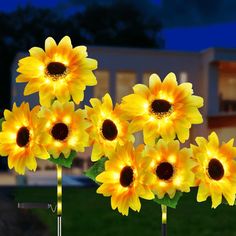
{"x": 216, "y": 170}
{"x": 164, "y": 109}
{"x": 171, "y": 166}
{"x": 126, "y": 178}
{"x": 65, "y": 129}
{"x": 60, "y": 71}
{"x": 107, "y": 127}
{"x": 20, "y": 138}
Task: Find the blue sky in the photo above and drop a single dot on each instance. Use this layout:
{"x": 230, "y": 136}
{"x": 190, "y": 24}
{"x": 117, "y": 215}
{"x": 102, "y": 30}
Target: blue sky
{"x": 198, "y": 38}
{"x": 10, "y": 5}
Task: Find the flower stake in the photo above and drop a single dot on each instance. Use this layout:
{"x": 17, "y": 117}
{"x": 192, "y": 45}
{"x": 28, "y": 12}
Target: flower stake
{"x": 54, "y": 130}
{"x": 59, "y": 199}
{"x": 159, "y": 169}
{"x": 164, "y": 220}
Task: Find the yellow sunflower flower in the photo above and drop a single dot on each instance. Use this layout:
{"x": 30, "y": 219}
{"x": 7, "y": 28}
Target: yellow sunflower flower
{"x": 107, "y": 127}
{"x": 164, "y": 109}
{"x": 171, "y": 166}
{"x": 21, "y": 138}
{"x": 216, "y": 171}
{"x": 60, "y": 71}
{"x": 65, "y": 129}
{"x": 126, "y": 178}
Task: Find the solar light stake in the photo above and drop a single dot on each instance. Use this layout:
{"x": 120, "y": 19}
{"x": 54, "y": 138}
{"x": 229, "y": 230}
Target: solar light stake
{"x": 164, "y": 220}
{"x": 59, "y": 199}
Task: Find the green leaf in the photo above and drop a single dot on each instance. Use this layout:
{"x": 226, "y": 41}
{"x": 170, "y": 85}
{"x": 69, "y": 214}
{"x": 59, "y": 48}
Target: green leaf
{"x": 166, "y": 200}
{"x": 62, "y": 161}
{"x": 157, "y": 139}
{"x": 1, "y": 120}
{"x": 97, "y": 168}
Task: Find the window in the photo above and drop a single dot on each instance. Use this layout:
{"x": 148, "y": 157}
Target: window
{"x": 226, "y": 91}
{"x": 183, "y": 77}
{"x": 124, "y": 83}
{"x": 102, "y": 86}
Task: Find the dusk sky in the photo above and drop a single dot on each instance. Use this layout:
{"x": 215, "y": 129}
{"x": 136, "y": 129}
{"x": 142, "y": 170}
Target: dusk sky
{"x": 11, "y": 5}
{"x": 188, "y": 38}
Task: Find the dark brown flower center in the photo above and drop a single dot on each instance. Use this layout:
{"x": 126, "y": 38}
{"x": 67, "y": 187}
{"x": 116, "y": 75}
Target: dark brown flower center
{"x": 23, "y": 136}
{"x": 56, "y": 68}
{"x": 109, "y": 130}
{"x": 60, "y": 131}
{"x": 164, "y": 171}
{"x": 126, "y": 176}
{"x": 215, "y": 169}
{"x": 160, "y": 106}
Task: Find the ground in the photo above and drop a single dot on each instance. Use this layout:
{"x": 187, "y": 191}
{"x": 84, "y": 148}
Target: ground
{"x": 87, "y": 213}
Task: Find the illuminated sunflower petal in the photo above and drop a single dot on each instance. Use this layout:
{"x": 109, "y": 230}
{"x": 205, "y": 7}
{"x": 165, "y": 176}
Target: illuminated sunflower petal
{"x": 37, "y": 53}
{"x": 149, "y": 135}
{"x": 203, "y": 193}
{"x": 34, "y": 70}
{"x": 142, "y": 90}
{"x": 65, "y": 129}
{"x": 114, "y": 203}
{"x": 123, "y": 179}
{"x": 19, "y": 138}
{"x": 216, "y": 199}
{"x": 32, "y": 86}
{"x": 31, "y": 163}
{"x": 97, "y": 153}
{"x": 22, "y": 78}
{"x": 229, "y": 194}
{"x": 134, "y": 203}
{"x": 65, "y": 44}
{"x": 182, "y": 133}
{"x": 45, "y": 96}
{"x": 60, "y": 72}
{"x": 170, "y": 106}
{"x": 62, "y": 95}
{"x": 80, "y": 52}
{"x": 171, "y": 168}
{"x": 50, "y": 46}
{"x": 107, "y": 128}
{"x": 212, "y": 156}
{"x": 154, "y": 83}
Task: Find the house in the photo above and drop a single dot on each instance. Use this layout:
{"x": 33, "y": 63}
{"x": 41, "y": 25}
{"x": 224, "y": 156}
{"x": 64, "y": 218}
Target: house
{"x": 212, "y": 73}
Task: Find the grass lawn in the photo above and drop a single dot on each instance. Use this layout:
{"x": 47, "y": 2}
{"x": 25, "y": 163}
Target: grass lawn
{"x": 86, "y": 213}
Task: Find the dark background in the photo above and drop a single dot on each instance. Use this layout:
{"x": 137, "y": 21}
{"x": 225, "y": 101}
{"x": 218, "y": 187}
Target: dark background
{"x": 165, "y": 24}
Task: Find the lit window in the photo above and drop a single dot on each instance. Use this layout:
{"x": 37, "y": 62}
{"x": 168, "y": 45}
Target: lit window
{"x": 183, "y": 77}
{"x": 102, "y": 86}
{"x": 226, "y": 91}
{"x": 124, "y": 83}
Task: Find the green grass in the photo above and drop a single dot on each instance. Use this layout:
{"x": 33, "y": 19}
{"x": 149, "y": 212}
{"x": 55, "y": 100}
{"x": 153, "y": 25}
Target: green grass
{"x": 86, "y": 213}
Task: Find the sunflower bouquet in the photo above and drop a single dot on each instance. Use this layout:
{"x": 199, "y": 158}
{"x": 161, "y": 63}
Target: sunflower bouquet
{"x": 54, "y": 130}
{"x": 160, "y": 167}
{"x": 163, "y": 167}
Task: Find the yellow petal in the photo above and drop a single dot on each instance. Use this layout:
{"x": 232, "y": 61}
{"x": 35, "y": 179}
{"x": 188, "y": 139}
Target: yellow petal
{"x": 141, "y": 90}
{"x": 203, "y": 193}
{"x": 38, "y": 53}
{"x": 96, "y": 153}
{"x": 216, "y": 198}
{"x": 50, "y": 46}
{"x": 154, "y": 83}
